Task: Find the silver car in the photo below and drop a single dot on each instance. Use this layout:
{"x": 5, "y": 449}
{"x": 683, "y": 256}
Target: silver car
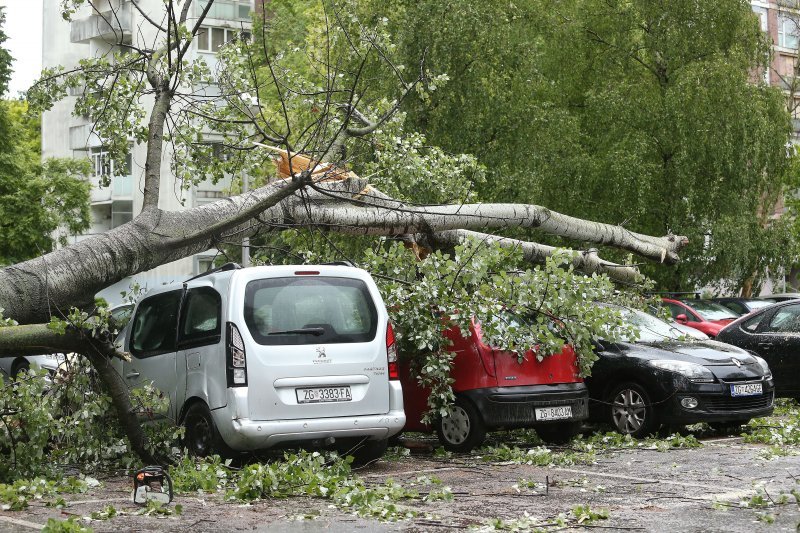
{"x": 257, "y": 357}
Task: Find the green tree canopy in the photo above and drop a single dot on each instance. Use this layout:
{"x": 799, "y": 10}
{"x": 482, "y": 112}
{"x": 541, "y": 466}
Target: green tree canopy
{"x": 647, "y": 114}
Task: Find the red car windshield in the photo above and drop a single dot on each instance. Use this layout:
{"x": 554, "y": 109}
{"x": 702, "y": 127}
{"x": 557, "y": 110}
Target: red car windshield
{"x": 711, "y": 310}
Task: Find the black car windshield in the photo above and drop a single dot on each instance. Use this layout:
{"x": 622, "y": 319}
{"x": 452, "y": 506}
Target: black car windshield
{"x": 650, "y": 328}
{"x": 710, "y": 310}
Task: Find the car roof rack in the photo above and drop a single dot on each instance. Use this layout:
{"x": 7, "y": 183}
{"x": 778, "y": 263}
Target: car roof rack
{"x": 223, "y": 268}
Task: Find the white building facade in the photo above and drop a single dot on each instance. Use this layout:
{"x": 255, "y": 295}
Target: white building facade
{"x": 65, "y": 135}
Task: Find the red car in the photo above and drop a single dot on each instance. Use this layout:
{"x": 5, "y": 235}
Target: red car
{"x": 493, "y": 391}
{"x": 704, "y": 315}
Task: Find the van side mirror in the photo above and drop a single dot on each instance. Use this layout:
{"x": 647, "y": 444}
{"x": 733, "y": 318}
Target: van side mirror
{"x": 681, "y": 319}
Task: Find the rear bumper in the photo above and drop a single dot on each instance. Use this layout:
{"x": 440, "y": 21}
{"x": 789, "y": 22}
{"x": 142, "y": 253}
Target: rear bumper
{"x": 248, "y": 435}
{"x": 242, "y": 433}
{"x": 514, "y": 407}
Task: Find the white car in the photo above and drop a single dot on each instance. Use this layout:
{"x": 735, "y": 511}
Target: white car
{"x": 252, "y": 358}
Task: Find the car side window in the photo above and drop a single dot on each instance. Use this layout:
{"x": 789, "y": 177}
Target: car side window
{"x": 155, "y": 325}
{"x": 785, "y": 320}
{"x": 676, "y": 310}
{"x": 752, "y": 325}
{"x": 201, "y": 317}
{"x": 736, "y": 307}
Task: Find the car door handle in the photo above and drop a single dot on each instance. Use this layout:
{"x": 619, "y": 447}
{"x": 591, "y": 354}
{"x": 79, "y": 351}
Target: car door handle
{"x": 131, "y": 375}
{"x": 765, "y": 344}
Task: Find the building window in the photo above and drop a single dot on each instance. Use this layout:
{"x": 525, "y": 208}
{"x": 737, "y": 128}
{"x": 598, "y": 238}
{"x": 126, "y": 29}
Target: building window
{"x": 227, "y": 9}
{"x": 103, "y": 165}
{"x": 210, "y": 39}
{"x": 788, "y": 31}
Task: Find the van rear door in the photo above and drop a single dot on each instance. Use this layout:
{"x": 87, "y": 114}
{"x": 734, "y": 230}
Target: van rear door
{"x": 316, "y": 347}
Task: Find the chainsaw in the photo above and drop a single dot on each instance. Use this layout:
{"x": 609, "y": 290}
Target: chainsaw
{"x": 152, "y": 483}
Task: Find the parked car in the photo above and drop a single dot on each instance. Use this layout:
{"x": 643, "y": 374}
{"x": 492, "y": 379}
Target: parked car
{"x": 783, "y": 296}
{"x": 11, "y": 367}
{"x": 253, "y": 358}
{"x": 743, "y": 306}
{"x": 494, "y": 390}
{"x": 662, "y": 379}
{"x": 704, "y": 315}
{"x": 774, "y": 334}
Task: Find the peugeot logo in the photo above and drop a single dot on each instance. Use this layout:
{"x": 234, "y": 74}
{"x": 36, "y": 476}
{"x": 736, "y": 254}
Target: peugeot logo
{"x": 321, "y": 353}
{"x": 736, "y": 362}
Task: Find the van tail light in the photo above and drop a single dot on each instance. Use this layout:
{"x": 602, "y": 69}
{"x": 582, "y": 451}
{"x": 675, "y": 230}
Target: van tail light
{"x": 391, "y": 353}
{"x": 236, "y": 358}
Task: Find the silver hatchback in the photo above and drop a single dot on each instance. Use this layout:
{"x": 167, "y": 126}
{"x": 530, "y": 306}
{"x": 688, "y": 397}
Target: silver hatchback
{"x": 257, "y": 357}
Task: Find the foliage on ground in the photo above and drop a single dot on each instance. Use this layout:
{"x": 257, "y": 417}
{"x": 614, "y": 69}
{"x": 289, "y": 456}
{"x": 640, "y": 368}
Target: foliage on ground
{"x": 580, "y": 515}
{"x": 782, "y": 429}
{"x": 312, "y": 474}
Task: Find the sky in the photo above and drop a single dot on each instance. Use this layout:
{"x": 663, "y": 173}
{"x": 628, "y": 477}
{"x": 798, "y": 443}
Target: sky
{"x": 24, "y": 29}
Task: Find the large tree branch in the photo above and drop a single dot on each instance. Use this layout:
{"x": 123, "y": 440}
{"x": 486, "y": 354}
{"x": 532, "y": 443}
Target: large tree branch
{"x": 36, "y": 339}
{"x": 431, "y": 219}
{"x": 586, "y": 261}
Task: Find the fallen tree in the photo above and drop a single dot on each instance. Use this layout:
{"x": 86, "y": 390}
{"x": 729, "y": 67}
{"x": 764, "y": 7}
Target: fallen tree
{"x": 309, "y": 193}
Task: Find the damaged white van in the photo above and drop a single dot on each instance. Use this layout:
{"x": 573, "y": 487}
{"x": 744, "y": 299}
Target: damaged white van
{"x": 257, "y": 357}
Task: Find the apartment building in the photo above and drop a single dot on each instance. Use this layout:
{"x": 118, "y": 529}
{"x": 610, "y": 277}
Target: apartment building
{"x": 65, "y": 135}
{"x": 780, "y": 19}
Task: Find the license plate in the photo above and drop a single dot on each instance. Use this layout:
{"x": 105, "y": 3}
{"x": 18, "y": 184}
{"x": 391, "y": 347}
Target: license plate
{"x": 553, "y": 413}
{"x": 324, "y": 394}
{"x": 746, "y": 389}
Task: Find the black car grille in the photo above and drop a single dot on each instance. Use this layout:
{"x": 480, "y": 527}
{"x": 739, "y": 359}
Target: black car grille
{"x": 724, "y": 404}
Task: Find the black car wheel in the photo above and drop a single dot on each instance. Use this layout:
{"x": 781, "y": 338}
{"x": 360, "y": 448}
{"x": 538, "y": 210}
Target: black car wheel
{"x": 630, "y": 410}
{"x": 558, "y": 432}
{"x": 463, "y": 429}
{"x": 22, "y": 365}
{"x": 202, "y": 437}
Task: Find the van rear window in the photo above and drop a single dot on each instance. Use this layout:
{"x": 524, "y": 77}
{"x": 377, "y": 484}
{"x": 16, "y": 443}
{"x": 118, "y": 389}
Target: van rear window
{"x": 309, "y": 310}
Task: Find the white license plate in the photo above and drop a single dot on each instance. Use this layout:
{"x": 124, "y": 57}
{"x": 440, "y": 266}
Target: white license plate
{"x": 553, "y": 413}
{"x": 324, "y": 394}
{"x": 746, "y": 389}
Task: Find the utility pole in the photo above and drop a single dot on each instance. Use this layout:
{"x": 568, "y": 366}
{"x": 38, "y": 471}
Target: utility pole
{"x": 245, "y": 240}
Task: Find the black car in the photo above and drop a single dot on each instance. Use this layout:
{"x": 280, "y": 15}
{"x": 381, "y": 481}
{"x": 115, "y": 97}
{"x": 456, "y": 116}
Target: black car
{"x": 774, "y": 334}
{"x": 665, "y": 379}
{"x": 743, "y": 306}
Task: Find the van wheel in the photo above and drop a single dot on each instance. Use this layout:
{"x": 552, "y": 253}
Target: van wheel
{"x": 631, "y": 411}
{"x": 463, "y": 429}
{"x": 201, "y": 438}
{"x": 369, "y": 451}
{"x": 558, "y": 432}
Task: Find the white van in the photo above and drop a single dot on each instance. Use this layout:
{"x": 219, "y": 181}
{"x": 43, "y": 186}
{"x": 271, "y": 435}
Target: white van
{"x": 276, "y": 355}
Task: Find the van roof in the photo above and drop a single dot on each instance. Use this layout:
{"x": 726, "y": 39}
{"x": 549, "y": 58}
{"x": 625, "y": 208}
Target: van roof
{"x": 229, "y": 270}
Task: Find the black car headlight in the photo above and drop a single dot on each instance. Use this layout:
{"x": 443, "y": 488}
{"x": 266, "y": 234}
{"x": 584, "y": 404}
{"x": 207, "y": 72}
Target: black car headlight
{"x": 692, "y": 371}
{"x": 764, "y": 367}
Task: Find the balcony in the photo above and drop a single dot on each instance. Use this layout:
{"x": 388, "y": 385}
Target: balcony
{"x": 110, "y": 25}
{"x": 121, "y": 188}
{"x": 233, "y": 10}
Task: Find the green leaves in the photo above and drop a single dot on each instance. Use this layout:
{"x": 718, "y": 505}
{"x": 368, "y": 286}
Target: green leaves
{"x": 518, "y": 310}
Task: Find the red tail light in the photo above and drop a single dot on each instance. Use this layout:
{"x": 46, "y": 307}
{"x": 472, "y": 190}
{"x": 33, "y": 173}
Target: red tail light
{"x": 391, "y": 353}
{"x": 236, "y": 358}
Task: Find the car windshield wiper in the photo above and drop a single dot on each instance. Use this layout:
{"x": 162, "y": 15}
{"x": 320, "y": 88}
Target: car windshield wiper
{"x": 302, "y": 331}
